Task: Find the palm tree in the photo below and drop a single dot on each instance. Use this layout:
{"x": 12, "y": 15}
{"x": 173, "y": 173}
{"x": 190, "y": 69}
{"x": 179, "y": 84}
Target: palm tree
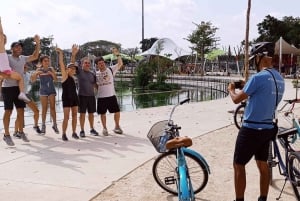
{"x": 246, "y": 70}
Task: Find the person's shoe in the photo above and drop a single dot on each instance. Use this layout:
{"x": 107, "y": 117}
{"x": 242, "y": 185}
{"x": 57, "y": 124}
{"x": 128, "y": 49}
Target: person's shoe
{"x": 23, "y": 137}
{"x": 64, "y": 137}
{"x": 105, "y": 132}
{"x": 37, "y": 129}
{"x": 94, "y": 132}
{"x": 43, "y": 130}
{"x": 82, "y": 134}
{"x": 118, "y": 131}
{"x": 22, "y": 96}
{"x": 8, "y": 140}
{"x": 17, "y": 135}
{"x": 75, "y": 136}
{"x": 54, "y": 127}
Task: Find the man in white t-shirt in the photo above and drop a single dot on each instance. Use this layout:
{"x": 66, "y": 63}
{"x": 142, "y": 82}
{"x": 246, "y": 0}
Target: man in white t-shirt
{"x": 107, "y": 99}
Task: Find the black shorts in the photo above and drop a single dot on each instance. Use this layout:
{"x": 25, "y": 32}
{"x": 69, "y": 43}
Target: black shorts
{"x": 70, "y": 102}
{"x": 10, "y": 98}
{"x": 252, "y": 142}
{"x": 107, "y": 103}
{"x": 87, "y": 103}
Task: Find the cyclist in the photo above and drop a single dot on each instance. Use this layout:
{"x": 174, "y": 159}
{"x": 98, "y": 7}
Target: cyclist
{"x": 263, "y": 92}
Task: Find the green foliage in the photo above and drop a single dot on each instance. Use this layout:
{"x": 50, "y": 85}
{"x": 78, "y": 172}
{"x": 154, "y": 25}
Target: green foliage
{"x": 144, "y": 74}
{"x": 147, "y": 43}
{"x": 203, "y": 38}
{"x": 271, "y": 29}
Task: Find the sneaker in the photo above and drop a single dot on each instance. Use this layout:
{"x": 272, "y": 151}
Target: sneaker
{"x": 94, "y": 132}
{"x": 64, "y": 137}
{"x": 17, "y": 135}
{"x": 22, "y": 96}
{"x": 23, "y": 137}
{"x": 82, "y": 134}
{"x": 37, "y": 129}
{"x": 105, "y": 132}
{"x": 75, "y": 136}
{"x": 118, "y": 131}
{"x": 43, "y": 130}
{"x": 55, "y": 128}
{"x": 8, "y": 140}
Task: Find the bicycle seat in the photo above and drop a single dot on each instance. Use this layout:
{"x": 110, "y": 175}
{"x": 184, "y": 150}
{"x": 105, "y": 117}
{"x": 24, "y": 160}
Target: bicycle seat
{"x": 179, "y": 142}
{"x": 287, "y": 132}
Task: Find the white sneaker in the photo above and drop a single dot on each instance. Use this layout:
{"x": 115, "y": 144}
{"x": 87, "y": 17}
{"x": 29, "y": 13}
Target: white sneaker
{"x": 105, "y": 132}
{"x": 118, "y": 131}
{"x": 22, "y": 96}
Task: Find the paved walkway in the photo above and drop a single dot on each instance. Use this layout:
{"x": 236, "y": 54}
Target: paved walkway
{"x": 49, "y": 169}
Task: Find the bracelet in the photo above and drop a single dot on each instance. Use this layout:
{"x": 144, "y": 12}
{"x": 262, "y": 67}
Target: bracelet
{"x": 118, "y": 55}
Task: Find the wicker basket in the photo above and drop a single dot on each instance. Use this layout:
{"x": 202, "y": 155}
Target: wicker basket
{"x": 158, "y": 136}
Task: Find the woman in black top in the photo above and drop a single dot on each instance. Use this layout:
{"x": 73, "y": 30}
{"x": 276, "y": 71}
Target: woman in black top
{"x": 69, "y": 95}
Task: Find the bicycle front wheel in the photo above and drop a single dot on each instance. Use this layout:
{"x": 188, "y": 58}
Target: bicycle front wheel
{"x": 165, "y": 172}
{"x": 238, "y": 115}
{"x": 294, "y": 172}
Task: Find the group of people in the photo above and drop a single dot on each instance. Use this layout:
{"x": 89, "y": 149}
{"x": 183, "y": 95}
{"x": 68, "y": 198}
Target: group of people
{"x": 15, "y": 78}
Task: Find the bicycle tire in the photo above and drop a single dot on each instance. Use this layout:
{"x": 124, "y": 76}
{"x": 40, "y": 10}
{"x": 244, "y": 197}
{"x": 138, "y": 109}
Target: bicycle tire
{"x": 270, "y": 162}
{"x": 165, "y": 166}
{"x": 294, "y": 172}
{"x": 238, "y": 115}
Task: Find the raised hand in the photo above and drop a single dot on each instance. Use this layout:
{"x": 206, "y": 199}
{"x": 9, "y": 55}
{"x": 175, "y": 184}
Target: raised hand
{"x": 36, "y": 39}
{"x": 115, "y": 51}
{"x": 75, "y": 49}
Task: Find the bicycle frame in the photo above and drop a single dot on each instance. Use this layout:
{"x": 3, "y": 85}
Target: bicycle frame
{"x": 185, "y": 188}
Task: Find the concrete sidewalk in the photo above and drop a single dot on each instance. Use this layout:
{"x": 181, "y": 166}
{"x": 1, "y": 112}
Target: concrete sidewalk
{"x": 49, "y": 169}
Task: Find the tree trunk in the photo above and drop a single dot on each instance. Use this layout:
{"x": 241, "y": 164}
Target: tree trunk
{"x": 246, "y": 63}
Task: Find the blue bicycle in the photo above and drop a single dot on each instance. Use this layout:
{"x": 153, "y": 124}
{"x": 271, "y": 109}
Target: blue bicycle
{"x": 178, "y": 170}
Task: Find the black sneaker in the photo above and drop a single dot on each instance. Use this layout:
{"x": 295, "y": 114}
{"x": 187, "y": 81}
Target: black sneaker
{"x": 23, "y": 137}
{"x": 64, "y": 137}
{"x": 82, "y": 134}
{"x": 94, "y": 132}
{"x": 8, "y": 140}
{"x": 75, "y": 136}
{"x": 17, "y": 135}
{"x": 55, "y": 128}
{"x": 37, "y": 129}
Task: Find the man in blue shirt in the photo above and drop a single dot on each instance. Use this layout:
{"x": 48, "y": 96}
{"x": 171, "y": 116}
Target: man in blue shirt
{"x": 263, "y": 91}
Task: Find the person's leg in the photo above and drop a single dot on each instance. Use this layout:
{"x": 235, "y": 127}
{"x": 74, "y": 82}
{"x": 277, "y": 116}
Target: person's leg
{"x": 20, "y": 117}
{"x": 264, "y": 177}
{"x": 44, "y": 104}
{"x": 91, "y": 120}
{"x": 239, "y": 180}
{"x": 66, "y": 119}
{"x": 6, "y": 121}
{"x": 74, "y": 118}
{"x": 32, "y": 105}
{"x": 103, "y": 120}
{"x": 52, "y": 108}
{"x": 82, "y": 121}
{"x": 117, "y": 119}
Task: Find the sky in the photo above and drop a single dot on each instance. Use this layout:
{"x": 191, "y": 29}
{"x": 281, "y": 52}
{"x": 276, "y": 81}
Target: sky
{"x": 120, "y": 21}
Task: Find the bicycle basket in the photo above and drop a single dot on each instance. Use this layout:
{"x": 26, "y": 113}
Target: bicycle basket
{"x": 158, "y": 136}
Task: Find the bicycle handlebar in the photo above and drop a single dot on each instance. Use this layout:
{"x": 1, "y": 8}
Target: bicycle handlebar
{"x": 184, "y": 101}
{"x": 180, "y": 103}
{"x": 292, "y": 101}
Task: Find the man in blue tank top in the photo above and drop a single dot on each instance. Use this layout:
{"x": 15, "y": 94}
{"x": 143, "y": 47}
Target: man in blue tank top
{"x": 263, "y": 91}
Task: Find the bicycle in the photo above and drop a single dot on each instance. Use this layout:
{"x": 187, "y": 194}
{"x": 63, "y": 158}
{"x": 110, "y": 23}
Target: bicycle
{"x": 289, "y": 166}
{"x": 239, "y": 112}
{"x": 178, "y": 170}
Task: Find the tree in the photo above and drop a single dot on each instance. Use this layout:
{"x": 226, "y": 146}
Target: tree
{"x": 271, "y": 29}
{"x": 147, "y": 43}
{"x": 203, "y": 39}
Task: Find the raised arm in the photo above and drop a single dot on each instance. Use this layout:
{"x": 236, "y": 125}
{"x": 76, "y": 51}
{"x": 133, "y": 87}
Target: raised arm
{"x": 2, "y": 39}
{"x": 75, "y": 50}
{"x": 116, "y": 52}
{"x": 62, "y": 66}
{"x": 35, "y": 54}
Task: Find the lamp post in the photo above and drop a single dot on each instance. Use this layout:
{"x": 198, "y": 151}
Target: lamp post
{"x": 142, "y": 20}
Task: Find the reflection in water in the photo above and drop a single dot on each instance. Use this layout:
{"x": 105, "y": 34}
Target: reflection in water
{"x": 130, "y": 99}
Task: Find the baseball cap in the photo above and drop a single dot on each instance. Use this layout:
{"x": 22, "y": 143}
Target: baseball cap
{"x": 72, "y": 65}
{"x": 14, "y": 44}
